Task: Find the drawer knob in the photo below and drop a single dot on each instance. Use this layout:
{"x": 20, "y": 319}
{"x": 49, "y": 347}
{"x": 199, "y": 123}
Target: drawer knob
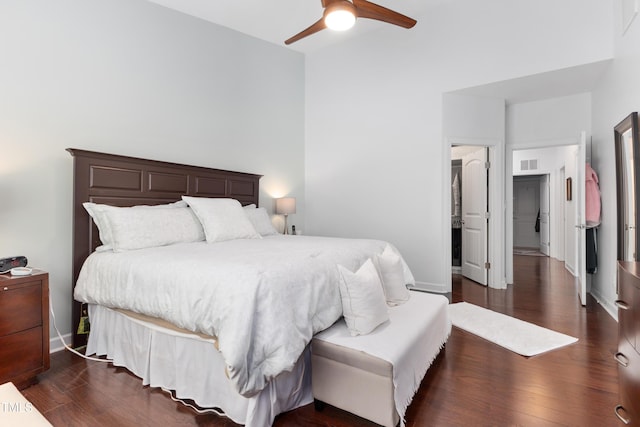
{"x": 620, "y": 417}
{"x": 621, "y": 359}
{"x": 621, "y": 304}
{"x": 6, "y": 288}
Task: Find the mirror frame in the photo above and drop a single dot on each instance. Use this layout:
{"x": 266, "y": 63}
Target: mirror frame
{"x": 629, "y": 123}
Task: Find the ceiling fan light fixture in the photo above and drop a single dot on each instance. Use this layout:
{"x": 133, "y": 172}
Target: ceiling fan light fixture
{"x": 340, "y": 15}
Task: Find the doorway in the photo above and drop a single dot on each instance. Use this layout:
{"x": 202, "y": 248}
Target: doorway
{"x": 531, "y": 215}
{"x": 564, "y": 161}
{"x": 470, "y": 212}
{"x": 495, "y": 201}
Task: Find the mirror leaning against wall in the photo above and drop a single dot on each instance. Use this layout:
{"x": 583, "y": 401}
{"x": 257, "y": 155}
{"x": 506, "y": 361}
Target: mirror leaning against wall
{"x": 627, "y": 151}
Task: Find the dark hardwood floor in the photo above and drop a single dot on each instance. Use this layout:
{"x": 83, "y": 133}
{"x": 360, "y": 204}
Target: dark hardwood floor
{"x": 473, "y": 383}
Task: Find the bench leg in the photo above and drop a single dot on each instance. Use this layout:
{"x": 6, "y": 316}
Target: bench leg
{"x": 318, "y": 405}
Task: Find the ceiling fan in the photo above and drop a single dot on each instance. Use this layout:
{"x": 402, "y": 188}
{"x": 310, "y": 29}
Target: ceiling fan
{"x": 341, "y": 15}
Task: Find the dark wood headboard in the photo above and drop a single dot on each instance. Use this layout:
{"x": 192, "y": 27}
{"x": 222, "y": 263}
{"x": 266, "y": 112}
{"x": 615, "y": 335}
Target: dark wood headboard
{"x": 127, "y": 181}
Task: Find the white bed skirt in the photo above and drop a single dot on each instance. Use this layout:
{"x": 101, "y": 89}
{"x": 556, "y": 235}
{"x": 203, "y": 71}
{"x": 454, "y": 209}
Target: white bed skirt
{"x": 192, "y": 367}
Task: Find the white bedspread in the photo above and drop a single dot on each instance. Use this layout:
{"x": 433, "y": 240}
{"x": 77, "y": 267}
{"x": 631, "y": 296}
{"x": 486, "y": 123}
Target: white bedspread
{"x": 262, "y": 298}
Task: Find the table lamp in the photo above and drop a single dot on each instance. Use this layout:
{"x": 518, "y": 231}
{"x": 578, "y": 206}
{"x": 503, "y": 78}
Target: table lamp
{"x": 286, "y": 206}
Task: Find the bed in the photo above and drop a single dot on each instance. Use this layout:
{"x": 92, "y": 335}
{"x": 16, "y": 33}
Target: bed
{"x": 227, "y": 325}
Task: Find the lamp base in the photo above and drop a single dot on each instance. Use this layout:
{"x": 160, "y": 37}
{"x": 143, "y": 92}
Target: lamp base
{"x": 286, "y": 227}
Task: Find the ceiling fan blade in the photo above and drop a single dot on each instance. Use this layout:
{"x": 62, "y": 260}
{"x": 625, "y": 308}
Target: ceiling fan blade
{"x": 319, "y": 25}
{"x": 366, "y": 9}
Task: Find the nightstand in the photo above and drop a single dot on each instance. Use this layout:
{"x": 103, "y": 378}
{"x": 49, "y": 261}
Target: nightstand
{"x": 24, "y": 327}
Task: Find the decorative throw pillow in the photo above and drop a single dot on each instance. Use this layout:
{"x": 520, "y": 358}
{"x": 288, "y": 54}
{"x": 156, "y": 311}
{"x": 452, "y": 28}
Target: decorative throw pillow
{"x": 391, "y": 270}
{"x": 363, "y": 302}
{"x": 259, "y": 217}
{"x": 222, "y": 219}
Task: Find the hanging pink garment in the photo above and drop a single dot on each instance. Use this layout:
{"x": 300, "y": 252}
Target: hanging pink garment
{"x": 592, "y": 196}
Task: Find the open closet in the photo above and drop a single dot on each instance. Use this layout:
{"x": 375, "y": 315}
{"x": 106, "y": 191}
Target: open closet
{"x": 470, "y": 212}
{"x": 456, "y": 218}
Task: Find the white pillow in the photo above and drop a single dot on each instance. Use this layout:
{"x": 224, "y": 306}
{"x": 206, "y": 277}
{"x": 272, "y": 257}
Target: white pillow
{"x": 391, "y": 270}
{"x": 259, "y": 217}
{"x": 96, "y": 211}
{"x": 134, "y": 228}
{"x": 363, "y": 303}
{"x": 222, "y": 219}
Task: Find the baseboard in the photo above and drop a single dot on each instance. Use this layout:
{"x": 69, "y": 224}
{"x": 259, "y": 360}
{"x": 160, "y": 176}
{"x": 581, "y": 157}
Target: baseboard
{"x": 430, "y": 287}
{"x": 607, "y": 305}
{"x": 570, "y": 269}
{"x": 55, "y": 344}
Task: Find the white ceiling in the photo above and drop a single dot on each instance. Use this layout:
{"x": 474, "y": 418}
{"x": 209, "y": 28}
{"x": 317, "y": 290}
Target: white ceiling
{"x": 277, "y": 20}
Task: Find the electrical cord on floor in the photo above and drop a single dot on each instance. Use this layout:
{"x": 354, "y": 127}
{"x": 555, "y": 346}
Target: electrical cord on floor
{"x": 74, "y": 351}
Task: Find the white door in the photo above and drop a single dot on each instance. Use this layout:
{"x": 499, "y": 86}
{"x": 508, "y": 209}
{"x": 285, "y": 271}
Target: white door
{"x": 544, "y": 214}
{"x": 474, "y": 216}
{"x": 580, "y": 235}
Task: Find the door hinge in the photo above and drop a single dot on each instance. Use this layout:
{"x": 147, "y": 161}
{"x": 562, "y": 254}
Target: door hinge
{"x": 487, "y": 215}
{"x": 487, "y": 165}
{"x": 487, "y": 265}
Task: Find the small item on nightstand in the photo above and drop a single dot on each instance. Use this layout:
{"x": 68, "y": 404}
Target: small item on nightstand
{"x": 8, "y": 263}
{"x": 21, "y": 271}
{"x": 293, "y": 230}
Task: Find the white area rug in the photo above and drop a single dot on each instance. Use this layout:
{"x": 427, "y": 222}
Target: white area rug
{"x": 16, "y": 410}
{"x": 514, "y": 334}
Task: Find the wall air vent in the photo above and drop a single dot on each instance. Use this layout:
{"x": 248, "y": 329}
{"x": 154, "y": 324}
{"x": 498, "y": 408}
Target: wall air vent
{"x": 528, "y": 165}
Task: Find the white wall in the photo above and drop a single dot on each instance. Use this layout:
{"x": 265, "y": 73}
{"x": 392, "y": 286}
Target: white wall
{"x": 548, "y": 120}
{"x": 375, "y": 149}
{"x": 472, "y": 117}
{"x": 130, "y": 77}
{"x": 616, "y": 95}
{"x": 549, "y": 159}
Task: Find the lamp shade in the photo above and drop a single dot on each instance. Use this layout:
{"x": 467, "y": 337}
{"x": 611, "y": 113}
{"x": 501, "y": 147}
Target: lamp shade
{"x": 286, "y": 205}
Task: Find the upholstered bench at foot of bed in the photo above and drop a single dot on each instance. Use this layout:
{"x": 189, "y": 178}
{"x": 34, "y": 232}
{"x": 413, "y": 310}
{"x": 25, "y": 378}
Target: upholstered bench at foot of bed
{"x": 350, "y": 373}
{"x": 354, "y": 381}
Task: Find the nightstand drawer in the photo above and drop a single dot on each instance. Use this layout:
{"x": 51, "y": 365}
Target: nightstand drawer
{"x": 629, "y": 380}
{"x": 21, "y": 353}
{"x": 20, "y": 307}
